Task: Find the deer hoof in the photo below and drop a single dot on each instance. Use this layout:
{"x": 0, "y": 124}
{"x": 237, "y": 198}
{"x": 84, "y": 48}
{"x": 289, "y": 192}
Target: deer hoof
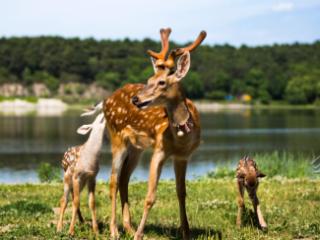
{"x": 129, "y": 229}
{"x": 264, "y": 228}
{"x": 138, "y": 236}
{"x": 71, "y": 232}
{"x": 114, "y": 234}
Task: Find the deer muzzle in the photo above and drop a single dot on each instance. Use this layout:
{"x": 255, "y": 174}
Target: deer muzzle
{"x": 138, "y": 103}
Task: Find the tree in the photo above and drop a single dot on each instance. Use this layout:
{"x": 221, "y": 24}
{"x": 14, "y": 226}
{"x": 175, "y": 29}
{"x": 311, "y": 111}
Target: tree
{"x": 301, "y": 90}
{"x": 6, "y": 76}
{"x": 108, "y": 80}
{"x": 193, "y": 85}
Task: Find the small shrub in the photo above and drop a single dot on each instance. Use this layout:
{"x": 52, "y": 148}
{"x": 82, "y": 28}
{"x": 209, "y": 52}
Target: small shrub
{"x": 67, "y": 89}
{"x": 80, "y": 89}
{"x": 48, "y": 173}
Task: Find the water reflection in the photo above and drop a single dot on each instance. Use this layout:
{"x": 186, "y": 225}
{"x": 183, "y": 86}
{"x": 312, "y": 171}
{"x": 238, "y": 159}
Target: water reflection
{"x": 27, "y": 141}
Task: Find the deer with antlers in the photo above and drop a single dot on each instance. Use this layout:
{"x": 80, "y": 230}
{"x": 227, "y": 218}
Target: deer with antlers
{"x": 156, "y": 115}
{"x": 248, "y": 176}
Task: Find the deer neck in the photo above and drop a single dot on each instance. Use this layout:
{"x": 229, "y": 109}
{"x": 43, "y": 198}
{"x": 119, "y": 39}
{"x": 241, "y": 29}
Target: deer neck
{"x": 95, "y": 141}
{"x": 177, "y": 109}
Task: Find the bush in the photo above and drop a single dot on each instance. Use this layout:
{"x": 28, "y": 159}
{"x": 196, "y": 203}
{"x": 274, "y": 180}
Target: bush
{"x": 52, "y": 83}
{"x": 80, "y": 89}
{"x": 48, "y": 173}
{"x": 264, "y": 97}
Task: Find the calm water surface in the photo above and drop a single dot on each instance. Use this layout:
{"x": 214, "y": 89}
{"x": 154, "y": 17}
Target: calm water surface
{"x": 26, "y": 141}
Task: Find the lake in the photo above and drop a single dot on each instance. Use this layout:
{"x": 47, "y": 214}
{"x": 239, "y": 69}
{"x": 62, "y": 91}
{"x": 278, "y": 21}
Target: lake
{"x": 27, "y": 141}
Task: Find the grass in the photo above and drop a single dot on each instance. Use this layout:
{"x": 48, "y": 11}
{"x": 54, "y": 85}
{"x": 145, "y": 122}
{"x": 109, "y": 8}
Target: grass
{"x": 291, "y": 208}
{"x": 283, "y": 164}
{"x": 289, "y": 197}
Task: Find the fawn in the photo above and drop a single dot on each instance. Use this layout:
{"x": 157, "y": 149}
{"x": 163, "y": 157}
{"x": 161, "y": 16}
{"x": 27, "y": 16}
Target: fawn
{"x": 248, "y": 178}
{"x": 81, "y": 166}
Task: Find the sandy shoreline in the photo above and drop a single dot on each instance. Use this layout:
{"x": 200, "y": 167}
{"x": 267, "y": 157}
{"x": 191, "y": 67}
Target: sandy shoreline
{"x": 56, "y": 107}
{"x": 43, "y": 107}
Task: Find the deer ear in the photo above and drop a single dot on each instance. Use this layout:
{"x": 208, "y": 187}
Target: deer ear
{"x": 183, "y": 66}
{"x": 84, "y": 129}
{"x": 260, "y": 174}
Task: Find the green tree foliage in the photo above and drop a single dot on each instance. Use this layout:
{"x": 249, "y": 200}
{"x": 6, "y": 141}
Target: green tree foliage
{"x": 303, "y": 87}
{"x": 266, "y": 72}
{"x": 108, "y": 80}
{"x": 6, "y": 76}
{"x": 193, "y": 85}
{"x": 41, "y": 77}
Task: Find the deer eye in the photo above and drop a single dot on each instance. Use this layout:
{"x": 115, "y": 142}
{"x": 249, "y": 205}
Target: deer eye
{"x": 162, "y": 83}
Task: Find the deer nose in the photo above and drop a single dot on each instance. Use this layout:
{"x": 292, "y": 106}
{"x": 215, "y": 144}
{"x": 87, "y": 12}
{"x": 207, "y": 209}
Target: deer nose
{"x": 135, "y": 100}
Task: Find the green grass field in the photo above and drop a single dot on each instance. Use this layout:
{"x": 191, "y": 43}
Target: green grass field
{"x": 291, "y": 208}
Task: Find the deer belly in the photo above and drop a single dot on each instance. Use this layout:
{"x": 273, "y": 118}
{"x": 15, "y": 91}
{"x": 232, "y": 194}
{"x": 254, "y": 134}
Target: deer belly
{"x": 139, "y": 139}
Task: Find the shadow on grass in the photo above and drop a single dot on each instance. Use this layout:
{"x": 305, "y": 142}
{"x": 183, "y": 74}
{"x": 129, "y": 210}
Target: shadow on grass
{"x": 174, "y": 232}
{"x": 249, "y": 218}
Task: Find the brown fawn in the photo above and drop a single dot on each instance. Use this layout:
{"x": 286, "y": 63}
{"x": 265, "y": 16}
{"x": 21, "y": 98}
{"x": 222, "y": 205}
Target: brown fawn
{"x": 156, "y": 115}
{"x": 248, "y": 178}
{"x": 81, "y": 167}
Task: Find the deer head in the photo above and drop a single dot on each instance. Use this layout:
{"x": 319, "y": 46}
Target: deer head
{"x": 249, "y": 172}
{"x": 169, "y": 70}
{"x": 98, "y": 125}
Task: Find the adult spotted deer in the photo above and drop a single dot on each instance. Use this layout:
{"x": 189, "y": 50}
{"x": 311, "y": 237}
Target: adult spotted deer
{"x": 156, "y": 115}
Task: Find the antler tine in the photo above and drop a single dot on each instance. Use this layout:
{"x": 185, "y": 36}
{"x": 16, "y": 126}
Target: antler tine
{"x": 170, "y": 63}
{"x": 164, "y": 33}
{"x": 193, "y": 45}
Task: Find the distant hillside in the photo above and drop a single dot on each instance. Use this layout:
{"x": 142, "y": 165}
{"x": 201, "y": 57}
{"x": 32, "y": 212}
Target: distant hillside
{"x": 290, "y": 72}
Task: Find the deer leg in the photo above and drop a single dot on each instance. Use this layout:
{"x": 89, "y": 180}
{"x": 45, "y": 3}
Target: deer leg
{"x": 256, "y": 207}
{"x": 119, "y": 155}
{"x": 92, "y": 204}
{"x": 78, "y": 211}
{"x": 127, "y": 169}
{"x": 155, "y": 170}
{"x": 75, "y": 202}
{"x": 240, "y": 201}
{"x": 180, "y": 167}
{"x": 63, "y": 205}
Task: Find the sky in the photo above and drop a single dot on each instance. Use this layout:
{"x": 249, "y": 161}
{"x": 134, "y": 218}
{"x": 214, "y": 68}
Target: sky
{"x": 236, "y": 22}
